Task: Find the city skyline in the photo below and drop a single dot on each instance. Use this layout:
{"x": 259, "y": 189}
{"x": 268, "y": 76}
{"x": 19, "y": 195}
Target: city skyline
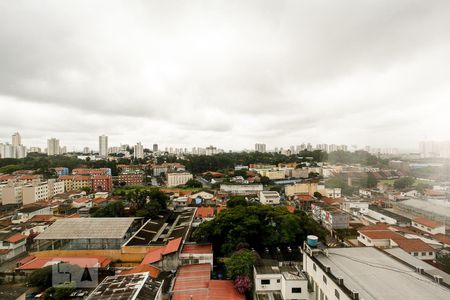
{"x": 272, "y": 73}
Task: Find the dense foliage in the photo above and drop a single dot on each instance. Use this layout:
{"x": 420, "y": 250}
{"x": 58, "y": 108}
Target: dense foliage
{"x": 404, "y": 182}
{"x": 192, "y": 183}
{"x": 41, "y": 278}
{"x": 240, "y": 263}
{"x": 111, "y": 210}
{"x": 257, "y": 226}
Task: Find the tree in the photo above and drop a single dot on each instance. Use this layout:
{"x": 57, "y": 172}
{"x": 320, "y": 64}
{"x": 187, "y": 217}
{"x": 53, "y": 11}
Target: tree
{"x": 243, "y": 284}
{"x": 192, "y": 183}
{"x": 41, "y": 278}
{"x": 445, "y": 261}
{"x": 150, "y": 210}
{"x": 242, "y": 173}
{"x": 240, "y": 264}
{"x": 404, "y": 182}
{"x": 265, "y": 180}
{"x": 318, "y": 195}
{"x": 236, "y": 200}
{"x": 111, "y": 210}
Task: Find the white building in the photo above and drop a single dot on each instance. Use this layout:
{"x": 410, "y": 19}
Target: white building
{"x": 11, "y": 193}
{"x": 39, "y": 191}
{"x": 16, "y": 139}
{"x": 103, "y": 145}
{"x": 279, "y": 282}
{"x": 6, "y": 150}
{"x": 138, "y": 151}
{"x": 260, "y": 148}
{"x": 244, "y": 189}
{"x": 178, "y": 178}
{"x": 269, "y": 197}
{"x": 53, "y": 147}
{"x": 428, "y": 226}
{"x": 355, "y": 273}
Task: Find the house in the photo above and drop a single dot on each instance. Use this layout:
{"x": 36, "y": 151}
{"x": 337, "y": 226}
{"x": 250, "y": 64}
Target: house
{"x": 32, "y": 263}
{"x": 29, "y": 211}
{"x": 194, "y": 282}
{"x": 204, "y": 213}
{"x": 384, "y": 216}
{"x": 196, "y": 254}
{"x": 279, "y": 282}
{"x": 269, "y": 197}
{"x": 244, "y": 189}
{"x": 11, "y": 245}
{"x": 180, "y": 202}
{"x": 428, "y": 226}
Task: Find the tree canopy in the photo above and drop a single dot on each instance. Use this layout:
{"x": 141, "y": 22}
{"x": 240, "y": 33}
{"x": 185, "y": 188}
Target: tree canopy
{"x": 404, "y": 182}
{"x": 257, "y": 226}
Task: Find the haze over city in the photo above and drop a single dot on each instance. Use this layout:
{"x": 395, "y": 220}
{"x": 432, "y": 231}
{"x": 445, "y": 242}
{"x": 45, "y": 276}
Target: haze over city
{"x": 226, "y": 73}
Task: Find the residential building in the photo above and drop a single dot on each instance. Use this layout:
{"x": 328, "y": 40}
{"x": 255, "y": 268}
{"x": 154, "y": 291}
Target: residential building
{"x": 12, "y": 244}
{"x": 378, "y": 214}
{"x": 301, "y": 188}
{"x": 101, "y": 183}
{"x": 135, "y": 177}
{"x": 138, "y": 151}
{"x": 284, "y": 282}
{"x": 355, "y": 273}
{"x": 244, "y": 189}
{"x": 178, "y": 178}
{"x": 155, "y": 147}
{"x": 428, "y": 226}
{"x": 16, "y": 140}
{"x": 53, "y": 147}
{"x": 194, "y": 282}
{"x": 39, "y": 191}
{"x": 196, "y": 254}
{"x": 260, "y": 148}
{"x": 269, "y": 197}
{"x": 11, "y": 193}
{"x": 330, "y": 216}
{"x": 103, "y": 145}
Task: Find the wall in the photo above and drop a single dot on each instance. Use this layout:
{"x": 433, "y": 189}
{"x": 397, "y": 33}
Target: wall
{"x": 287, "y": 285}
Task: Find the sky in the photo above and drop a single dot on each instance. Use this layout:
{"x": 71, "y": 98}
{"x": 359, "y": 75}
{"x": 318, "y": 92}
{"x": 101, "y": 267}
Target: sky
{"x": 227, "y": 73}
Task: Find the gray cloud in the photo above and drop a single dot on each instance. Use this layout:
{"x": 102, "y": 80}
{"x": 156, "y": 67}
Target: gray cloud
{"x": 225, "y": 72}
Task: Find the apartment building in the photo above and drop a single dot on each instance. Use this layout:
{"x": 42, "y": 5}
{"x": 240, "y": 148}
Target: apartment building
{"x": 130, "y": 177}
{"x": 178, "y": 178}
{"x": 301, "y": 188}
{"x": 39, "y": 191}
{"x": 241, "y": 189}
{"x": 11, "y": 193}
{"x": 101, "y": 183}
{"x": 269, "y": 197}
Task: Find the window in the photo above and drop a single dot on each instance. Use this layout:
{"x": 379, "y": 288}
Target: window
{"x": 314, "y": 267}
{"x": 424, "y": 253}
{"x": 265, "y": 281}
{"x": 324, "y": 278}
{"x": 296, "y": 290}
{"x": 336, "y": 293}
{"x": 415, "y": 253}
{"x": 278, "y": 280}
{"x": 430, "y": 253}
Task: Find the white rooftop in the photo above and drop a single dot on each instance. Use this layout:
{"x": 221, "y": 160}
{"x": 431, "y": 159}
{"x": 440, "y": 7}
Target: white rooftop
{"x": 426, "y": 206}
{"x": 87, "y": 228}
{"x": 375, "y": 275}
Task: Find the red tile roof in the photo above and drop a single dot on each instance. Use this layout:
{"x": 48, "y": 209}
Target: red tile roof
{"x": 382, "y": 235}
{"x": 82, "y": 262}
{"x": 15, "y": 238}
{"x": 153, "y": 256}
{"x": 414, "y": 245}
{"x": 172, "y": 246}
{"x": 42, "y": 218}
{"x": 427, "y": 222}
{"x": 26, "y": 260}
{"x": 193, "y": 282}
{"x": 197, "y": 249}
{"x": 153, "y": 271}
{"x": 443, "y": 238}
{"x": 378, "y": 226}
{"x": 204, "y": 212}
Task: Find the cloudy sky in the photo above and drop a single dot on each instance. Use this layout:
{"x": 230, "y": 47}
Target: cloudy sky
{"x": 227, "y": 73}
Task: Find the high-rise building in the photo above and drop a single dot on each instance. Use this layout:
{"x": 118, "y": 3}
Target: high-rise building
{"x": 63, "y": 150}
{"x": 260, "y": 148}
{"x": 53, "y": 147}
{"x": 138, "y": 151}
{"x": 6, "y": 150}
{"x": 16, "y": 140}
{"x": 20, "y": 151}
{"x": 103, "y": 145}
{"x": 155, "y": 147}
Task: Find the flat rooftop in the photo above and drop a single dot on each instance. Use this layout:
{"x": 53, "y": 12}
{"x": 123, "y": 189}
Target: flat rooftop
{"x": 126, "y": 287}
{"x": 87, "y": 228}
{"x": 426, "y": 206}
{"x": 390, "y": 214}
{"x": 375, "y": 275}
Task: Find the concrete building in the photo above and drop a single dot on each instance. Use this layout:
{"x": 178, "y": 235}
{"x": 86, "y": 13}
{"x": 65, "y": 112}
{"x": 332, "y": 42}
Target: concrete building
{"x": 6, "y": 151}
{"x": 196, "y": 254}
{"x": 11, "y": 193}
{"x": 138, "y": 151}
{"x": 39, "y": 191}
{"x": 279, "y": 282}
{"x": 130, "y": 286}
{"x": 244, "y": 189}
{"x": 428, "y": 226}
{"x": 12, "y": 244}
{"x": 301, "y": 188}
{"x": 269, "y": 197}
{"x": 103, "y": 145}
{"x": 178, "y": 178}
{"x": 53, "y": 147}
{"x": 355, "y": 273}
{"x": 260, "y": 148}
{"x": 16, "y": 140}
{"x": 130, "y": 177}
{"x": 155, "y": 147}
{"x": 384, "y": 216}
{"x": 101, "y": 183}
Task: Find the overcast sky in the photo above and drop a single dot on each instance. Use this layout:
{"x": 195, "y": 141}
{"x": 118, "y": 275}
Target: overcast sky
{"x": 227, "y": 73}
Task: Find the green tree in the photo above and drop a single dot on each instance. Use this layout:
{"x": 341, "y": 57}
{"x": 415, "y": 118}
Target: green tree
{"x": 113, "y": 209}
{"x": 192, "y": 183}
{"x": 41, "y": 278}
{"x": 404, "y": 182}
{"x": 240, "y": 264}
{"x": 236, "y": 200}
{"x": 265, "y": 180}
